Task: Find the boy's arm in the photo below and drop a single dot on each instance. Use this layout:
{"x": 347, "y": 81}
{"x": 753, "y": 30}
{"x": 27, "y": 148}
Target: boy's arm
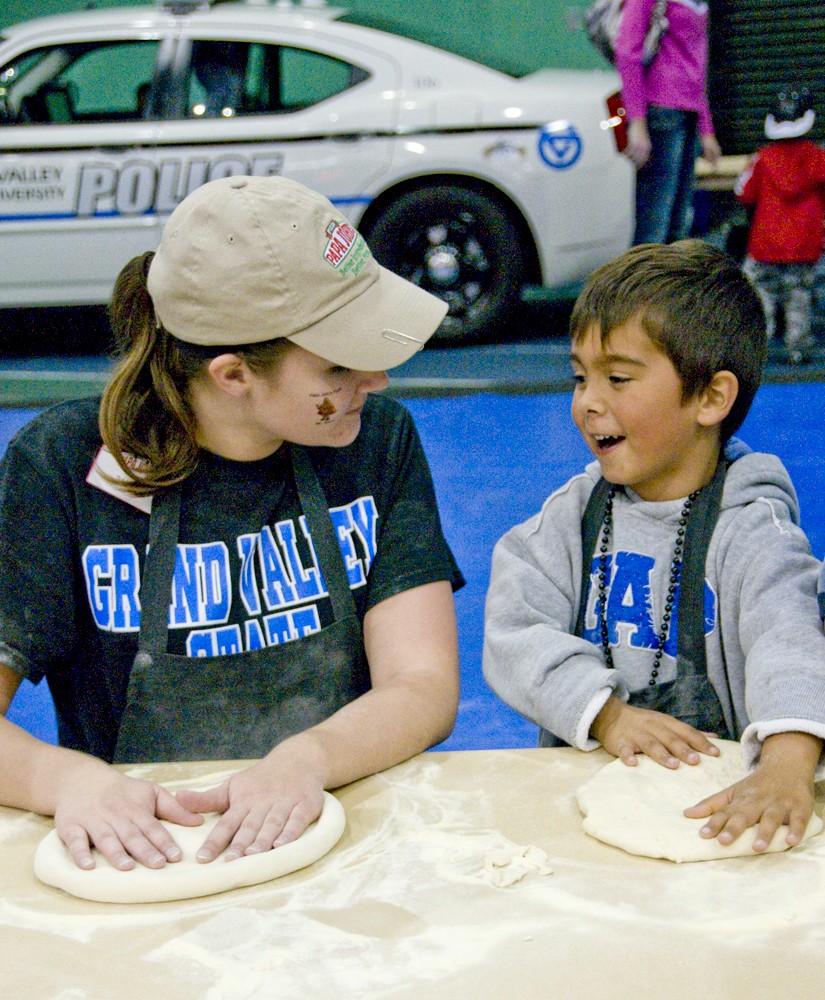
{"x": 746, "y": 187}
{"x": 780, "y": 791}
{"x": 771, "y": 625}
{"x": 775, "y": 652}
{"x": 819, "y": 166}
{"x": 531, "y": 658}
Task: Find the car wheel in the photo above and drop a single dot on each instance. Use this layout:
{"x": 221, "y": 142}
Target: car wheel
{"x": 458, "y": 244}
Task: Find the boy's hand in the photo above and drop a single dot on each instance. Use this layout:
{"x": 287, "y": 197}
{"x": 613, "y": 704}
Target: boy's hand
{"x": 625, "y": 730}
{"x": 780, "y": 791}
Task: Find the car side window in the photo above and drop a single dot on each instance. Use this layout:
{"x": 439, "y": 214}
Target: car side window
{"x": 229, "y": 78}
{"x": 80, "y": 83}
{"x": 307, "y": 78}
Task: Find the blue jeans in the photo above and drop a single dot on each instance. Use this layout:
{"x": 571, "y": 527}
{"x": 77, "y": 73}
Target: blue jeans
{"x": 664, "y": 185}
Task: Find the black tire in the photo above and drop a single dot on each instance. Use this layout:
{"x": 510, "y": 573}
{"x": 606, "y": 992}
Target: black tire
{"x": 459, "y": 244}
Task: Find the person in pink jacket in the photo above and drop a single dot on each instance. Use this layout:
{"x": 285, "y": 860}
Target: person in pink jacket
{"x": 785, "y": 185}
{"x": 667, "y": 107}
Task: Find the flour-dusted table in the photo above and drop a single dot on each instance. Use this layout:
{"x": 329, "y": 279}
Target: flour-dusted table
{"x": 404, "y": 907}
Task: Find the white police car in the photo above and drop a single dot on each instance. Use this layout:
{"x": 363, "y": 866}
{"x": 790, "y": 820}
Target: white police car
{"x": 468, "y": 181}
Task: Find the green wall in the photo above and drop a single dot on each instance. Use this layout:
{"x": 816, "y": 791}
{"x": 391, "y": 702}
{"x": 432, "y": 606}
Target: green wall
{"x": 520, "y": 34}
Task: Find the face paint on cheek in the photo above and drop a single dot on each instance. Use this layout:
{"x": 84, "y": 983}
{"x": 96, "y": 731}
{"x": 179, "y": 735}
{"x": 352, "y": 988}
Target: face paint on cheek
{"x": 325, "y": 409}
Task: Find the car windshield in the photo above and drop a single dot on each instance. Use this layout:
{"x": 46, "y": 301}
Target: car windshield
{"x": 489, "y": 59}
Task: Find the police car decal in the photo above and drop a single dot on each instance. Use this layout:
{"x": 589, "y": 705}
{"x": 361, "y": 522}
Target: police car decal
{"x": 559, "y": 145}
{"x": 45, "y": 187}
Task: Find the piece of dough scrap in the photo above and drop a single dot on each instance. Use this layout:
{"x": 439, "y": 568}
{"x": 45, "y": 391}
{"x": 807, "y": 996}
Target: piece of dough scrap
{"x": 186, "y": 878}
{"x": 640, "y": 808}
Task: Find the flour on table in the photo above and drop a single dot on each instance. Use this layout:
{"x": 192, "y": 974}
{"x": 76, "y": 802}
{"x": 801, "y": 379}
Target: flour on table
{"x": 186, "y": 878}
{"x": 640, "y": 808}
{"x": 507, "y": 865}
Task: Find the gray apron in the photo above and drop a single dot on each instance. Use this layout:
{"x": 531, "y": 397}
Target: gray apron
{"x": 239, "y": 706}
{"x": 689, "y": 696}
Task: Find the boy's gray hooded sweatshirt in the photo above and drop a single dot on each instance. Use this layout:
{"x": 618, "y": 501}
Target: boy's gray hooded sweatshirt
{"x": 763, "y": 634}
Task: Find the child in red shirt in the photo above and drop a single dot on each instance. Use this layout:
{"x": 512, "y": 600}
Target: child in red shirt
{"x": 785, "y": 184}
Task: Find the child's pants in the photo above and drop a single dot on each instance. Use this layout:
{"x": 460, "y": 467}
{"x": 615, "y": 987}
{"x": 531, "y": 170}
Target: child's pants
{"x": 788, "y": 286}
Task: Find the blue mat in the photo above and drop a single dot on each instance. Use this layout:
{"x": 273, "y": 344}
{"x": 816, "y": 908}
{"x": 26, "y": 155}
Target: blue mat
{"x": 494, "y": 460}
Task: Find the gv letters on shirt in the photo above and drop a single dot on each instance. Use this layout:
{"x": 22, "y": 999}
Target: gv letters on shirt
{"x": 274, "y": 573}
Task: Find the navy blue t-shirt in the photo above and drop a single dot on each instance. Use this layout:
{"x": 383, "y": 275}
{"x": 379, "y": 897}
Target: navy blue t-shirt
{"x": 246, "y": 573}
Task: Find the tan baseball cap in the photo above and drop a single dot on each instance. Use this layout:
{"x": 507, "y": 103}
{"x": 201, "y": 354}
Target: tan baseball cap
{"x": 248, "y": 259}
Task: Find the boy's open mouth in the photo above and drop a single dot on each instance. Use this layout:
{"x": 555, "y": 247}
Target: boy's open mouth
{"x": 605, "y": 441}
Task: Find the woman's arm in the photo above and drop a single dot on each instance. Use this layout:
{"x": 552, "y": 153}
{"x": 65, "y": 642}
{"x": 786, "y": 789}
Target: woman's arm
{"x": 92, "y": 803}
{"x": 411, "y": 647}
{"x": 639, "y": 145}
{"x": 412, "y": 650}
{"x": 630, "y": 40}
{"x": 31, "y": 768}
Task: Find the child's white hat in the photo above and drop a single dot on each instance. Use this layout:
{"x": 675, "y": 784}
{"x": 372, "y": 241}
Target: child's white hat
{"x": 793, "y": 114}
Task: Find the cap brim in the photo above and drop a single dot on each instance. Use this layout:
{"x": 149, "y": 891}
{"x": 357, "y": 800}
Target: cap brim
{"x": 381, "y": 328}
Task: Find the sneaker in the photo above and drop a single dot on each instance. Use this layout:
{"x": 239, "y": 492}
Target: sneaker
{"x": 796, "y": 356}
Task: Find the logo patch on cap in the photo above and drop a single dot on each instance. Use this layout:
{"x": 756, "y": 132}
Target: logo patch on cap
{"x": 346, "y": 249}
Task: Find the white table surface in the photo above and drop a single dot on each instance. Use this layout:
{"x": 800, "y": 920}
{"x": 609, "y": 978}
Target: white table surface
{"x": 402, "y": 907}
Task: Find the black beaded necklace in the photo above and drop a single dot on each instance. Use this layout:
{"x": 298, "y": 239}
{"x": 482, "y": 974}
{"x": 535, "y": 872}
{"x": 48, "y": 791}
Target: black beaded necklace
{"x": 675, "y": 569}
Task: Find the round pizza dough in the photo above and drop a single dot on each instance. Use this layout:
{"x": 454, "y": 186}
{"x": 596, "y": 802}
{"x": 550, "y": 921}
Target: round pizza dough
{"x": 186, "y": 878}
{"x": 640, "y": 808}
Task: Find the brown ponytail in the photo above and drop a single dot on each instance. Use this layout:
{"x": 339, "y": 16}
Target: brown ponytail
{"x": 146, "y": 420}
{"x": 144, "y": 415}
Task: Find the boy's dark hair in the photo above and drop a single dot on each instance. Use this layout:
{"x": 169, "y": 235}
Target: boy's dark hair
{"x": 695, "y": 303}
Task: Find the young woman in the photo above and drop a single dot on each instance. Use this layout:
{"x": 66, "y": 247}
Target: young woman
{"x": 667, "y": 109}
{"x": 237, "y": 552}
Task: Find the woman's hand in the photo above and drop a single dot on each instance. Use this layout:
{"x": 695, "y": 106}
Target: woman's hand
{"x": 93, "y": 804}
{"x": 412, "y": 649}
{"x": 780, "y": 791}
{"x": 625, "y": 730}
{"x": 638, "y": 142}
{"x": 264, "y": 806}
{"x": 711, "y": 150}
{"x": 120, "y": 816}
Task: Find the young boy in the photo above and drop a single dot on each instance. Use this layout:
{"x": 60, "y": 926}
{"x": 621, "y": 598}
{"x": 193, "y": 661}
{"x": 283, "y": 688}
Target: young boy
{"x": 785, "y": 186}
{"x": 687, "y": 527}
